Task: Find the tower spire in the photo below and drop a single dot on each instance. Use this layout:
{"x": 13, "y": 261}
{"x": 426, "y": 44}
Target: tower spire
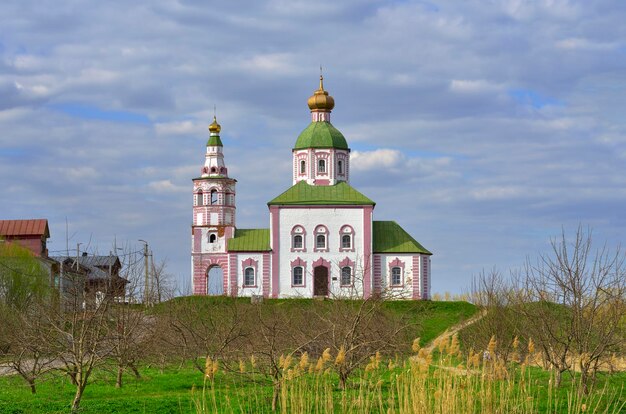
{"x": 321, "y": 103}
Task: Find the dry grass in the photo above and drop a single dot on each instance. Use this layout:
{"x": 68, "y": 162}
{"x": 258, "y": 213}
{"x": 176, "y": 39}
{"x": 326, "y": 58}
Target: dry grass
{"x": 437, "y": 380}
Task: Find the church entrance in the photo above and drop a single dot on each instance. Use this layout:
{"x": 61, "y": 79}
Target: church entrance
{"x": 215, "y": 281}
{"x": 320, "y": 281}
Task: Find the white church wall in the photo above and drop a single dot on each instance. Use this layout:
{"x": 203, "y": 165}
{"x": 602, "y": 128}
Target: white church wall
{"x": 333, "y": 218}
{"x": 255, "y": 261}
{"x": 410, "y": 270}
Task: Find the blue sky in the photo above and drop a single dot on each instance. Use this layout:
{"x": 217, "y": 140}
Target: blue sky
{"x": 483, "y": 128}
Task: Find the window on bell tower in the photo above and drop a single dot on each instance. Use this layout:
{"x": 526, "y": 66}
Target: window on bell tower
{"x": 213, "y": 196}
{"x": 199, "y": 198}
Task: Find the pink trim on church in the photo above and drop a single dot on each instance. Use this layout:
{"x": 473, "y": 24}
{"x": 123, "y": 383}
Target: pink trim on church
{"x": 298, "y": 263}
{"x": 250, "y": 262}
{"x": 396, "y": 263}
{"x": 274, "y": 216}
{"x": 415, "y": 282}
{"x": 367, "y": 251}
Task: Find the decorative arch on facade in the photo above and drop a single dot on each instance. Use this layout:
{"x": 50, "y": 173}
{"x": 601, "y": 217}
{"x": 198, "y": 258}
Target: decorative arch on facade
{"x": 321, "y": 231}
{"x": 321, "y": 262}
{"x": 300, "y": 272}
{"x": 298, "y": 238}
{"x": 200, "y": 198}
{"x": 211, "y": 263}
{"x": 346, "y": 239}
{"x": 397, "y": 264}
{"x": 346, "y": 272}
{"x": 249, "y": 263}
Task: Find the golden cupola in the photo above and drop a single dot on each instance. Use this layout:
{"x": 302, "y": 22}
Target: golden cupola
{"x": 321, "y": 101}
{"x": 214, "y": 127}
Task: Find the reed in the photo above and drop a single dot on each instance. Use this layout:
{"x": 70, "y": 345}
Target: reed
{"x": 441, "y": 381}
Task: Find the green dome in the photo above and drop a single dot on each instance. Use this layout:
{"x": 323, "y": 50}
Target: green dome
{"x": 321, "y": 135}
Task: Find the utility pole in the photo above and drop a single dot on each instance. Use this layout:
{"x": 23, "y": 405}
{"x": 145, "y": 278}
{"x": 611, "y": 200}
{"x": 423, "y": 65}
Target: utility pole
{"x": 146, "y": 289}
{"x": 77, "y": 254}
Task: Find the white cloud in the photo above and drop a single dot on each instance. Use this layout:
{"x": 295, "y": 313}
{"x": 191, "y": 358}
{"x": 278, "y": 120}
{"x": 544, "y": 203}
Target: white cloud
{"x": 421, "y": 96}
{"x": 474, "y": 86}
{"x": 375, "y": 160}
{"x": 177, "y": 128}
{"x": 166, "y": 186}
{"x": 585, "y": 44}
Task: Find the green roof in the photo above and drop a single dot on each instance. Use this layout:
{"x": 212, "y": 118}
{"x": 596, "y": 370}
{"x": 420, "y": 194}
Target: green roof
{"x": 250, "y": 240}
{"x": 389, "y": 237}
{"x": 214, "y": 141}
{"x": 305, "y": 194}
{"x": 321, "y": 135}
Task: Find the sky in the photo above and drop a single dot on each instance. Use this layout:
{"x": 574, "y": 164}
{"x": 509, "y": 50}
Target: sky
{"x": 484, "y": 128}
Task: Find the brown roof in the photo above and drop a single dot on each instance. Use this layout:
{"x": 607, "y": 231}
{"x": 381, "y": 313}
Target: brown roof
{"x": 34, "y": 227}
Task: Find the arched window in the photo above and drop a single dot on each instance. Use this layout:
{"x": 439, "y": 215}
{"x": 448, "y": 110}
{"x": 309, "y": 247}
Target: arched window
{"x": 396, "y": 276}
{"x": 339, "y": 167}
{"x": 212, "y": 238}
{"x": 298, "y": 235}
{"x": 297, "y": 241}
{"x": 321, "y": 166}
{"x": 248, "y": 277}
{"x": 321, "y": 238}
{"x": 302, "y": 167}
{"x": 346, "y": 276}
{"x": 346, "y": 241}
{"x": 320, "y": 241}
{"x": 213, "y": 196}
{"x": 297, "y": 277}
{"x": 200, "y": 198}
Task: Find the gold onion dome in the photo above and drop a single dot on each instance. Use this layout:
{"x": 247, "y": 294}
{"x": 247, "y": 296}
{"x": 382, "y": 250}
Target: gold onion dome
{"x": 321, "y": 101}
{"x": 215, "y": 127}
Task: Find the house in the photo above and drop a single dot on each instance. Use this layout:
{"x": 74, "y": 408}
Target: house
{"x": 94, "y": 276}
{"x": 322, "y": 239}
{"x": 31, "y": 234}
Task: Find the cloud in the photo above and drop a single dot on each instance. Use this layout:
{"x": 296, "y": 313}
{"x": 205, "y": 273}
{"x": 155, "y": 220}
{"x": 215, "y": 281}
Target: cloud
{"x": 482, "y": 130}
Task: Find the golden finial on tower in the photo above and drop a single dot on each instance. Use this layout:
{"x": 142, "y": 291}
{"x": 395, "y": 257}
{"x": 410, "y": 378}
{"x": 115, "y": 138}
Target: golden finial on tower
{"x": 321, "y": 101}
{"x": 214, "y": 127}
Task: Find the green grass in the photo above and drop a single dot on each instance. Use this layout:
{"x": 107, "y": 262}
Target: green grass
{"x": 430, "y": 318}
{"x": 170, "y": 391}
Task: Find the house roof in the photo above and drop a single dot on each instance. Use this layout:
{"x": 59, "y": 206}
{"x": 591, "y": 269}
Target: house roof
{"x": 31, "y": 227}
{"x": 389, "y": 237}
{"x": 304, "y": 194}
{"x": 321, "y": 135}
{"x": 250, "y": 240}
{"x": 93, "y": 264}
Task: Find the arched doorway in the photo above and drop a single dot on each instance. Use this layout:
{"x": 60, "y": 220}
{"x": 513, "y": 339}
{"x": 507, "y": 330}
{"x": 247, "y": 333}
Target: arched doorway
{"x": 215, "y": 281}
{"x": 320, "y": 281}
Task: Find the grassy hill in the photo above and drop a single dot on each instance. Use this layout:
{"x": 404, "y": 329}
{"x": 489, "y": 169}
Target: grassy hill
{"x": 167, "y": 389}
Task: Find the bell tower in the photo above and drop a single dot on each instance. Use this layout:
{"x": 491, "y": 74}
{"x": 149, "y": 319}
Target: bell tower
{"x": 213, "y": 221}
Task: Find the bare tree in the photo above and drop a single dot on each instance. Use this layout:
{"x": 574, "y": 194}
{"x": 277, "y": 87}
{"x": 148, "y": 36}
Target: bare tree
{"x": 357, "y": 330}
{"x": 197, "y": 328}
{"x": 28, "y": 353}
{"x": 492, "y": 292}
{"x": 573, "y": 301}
{"x": 80, "y": 334}
{"x": 163, "y": 286}
{"x": 133, "y": 331}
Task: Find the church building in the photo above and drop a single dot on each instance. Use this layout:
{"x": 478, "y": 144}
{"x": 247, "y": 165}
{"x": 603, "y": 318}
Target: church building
{"x": 322, "y": 239}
